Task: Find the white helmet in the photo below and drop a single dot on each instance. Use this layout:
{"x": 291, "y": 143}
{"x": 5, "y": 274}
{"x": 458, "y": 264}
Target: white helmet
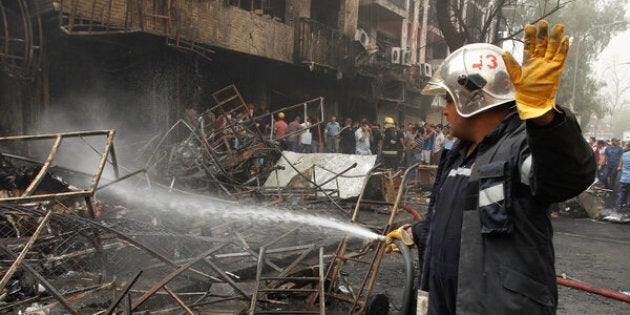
{"x": 476, "y": 78}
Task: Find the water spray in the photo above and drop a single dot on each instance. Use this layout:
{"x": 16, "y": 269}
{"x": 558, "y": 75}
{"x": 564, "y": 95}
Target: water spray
{"x": 256, "y": 214}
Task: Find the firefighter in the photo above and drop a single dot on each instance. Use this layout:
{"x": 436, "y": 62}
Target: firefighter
{"x": 485, "y": 246}
{"x": 392, "y": 144}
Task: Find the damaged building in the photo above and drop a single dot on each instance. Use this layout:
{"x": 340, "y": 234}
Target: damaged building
{"x": 140, "y": 64}
{"x": 184, "y": 85}
{"x": 142, "y": 67}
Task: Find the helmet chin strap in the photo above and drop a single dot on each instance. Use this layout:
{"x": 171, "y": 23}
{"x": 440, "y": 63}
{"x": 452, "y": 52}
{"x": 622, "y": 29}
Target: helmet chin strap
{"x": 472, "y": 82}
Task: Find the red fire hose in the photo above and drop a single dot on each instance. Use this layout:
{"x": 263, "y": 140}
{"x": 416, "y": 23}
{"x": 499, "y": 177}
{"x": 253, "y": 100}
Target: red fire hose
{"x": 412, "y": 211}
{"x": 560, "y": 280}
{"x": 592, "y": 289}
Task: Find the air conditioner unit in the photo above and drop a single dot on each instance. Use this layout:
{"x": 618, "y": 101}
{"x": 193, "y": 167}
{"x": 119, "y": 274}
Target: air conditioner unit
{"x": 426, "y": 71}
{"x": 405, "y": 57}
{"x": 393, "y": 54}
{"x": 362, "y": 37}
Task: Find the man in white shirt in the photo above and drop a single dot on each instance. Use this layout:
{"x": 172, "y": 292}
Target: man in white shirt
{"x": 438, "y": 145}
{"x": 363, "y": 136}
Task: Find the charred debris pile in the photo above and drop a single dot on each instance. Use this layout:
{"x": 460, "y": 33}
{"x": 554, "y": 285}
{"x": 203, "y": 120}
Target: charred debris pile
{"x": 65, "y": 251}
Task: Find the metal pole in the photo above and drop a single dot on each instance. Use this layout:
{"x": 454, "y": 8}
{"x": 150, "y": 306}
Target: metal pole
{"x": 51, "y": 156}
{"x": 123, "y": 294}
{"x": 22, "y": 255}
{"x": 51, "y": 289}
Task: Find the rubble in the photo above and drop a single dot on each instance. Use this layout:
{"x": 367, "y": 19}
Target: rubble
{"x": 64, "y": 251}
{"x": 223, "y": 148}
{"x": 592, "y": 203}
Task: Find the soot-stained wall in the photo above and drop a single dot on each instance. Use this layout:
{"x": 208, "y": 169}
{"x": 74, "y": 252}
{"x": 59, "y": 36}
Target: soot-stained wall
{"x": 138, "y": 85}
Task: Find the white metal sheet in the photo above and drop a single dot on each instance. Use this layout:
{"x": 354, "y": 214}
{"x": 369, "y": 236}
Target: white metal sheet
{"x": 321, "y": 167}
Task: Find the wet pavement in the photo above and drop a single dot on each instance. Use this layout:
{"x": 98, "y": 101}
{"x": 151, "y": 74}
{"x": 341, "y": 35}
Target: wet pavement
{"x": 596, "y": 253}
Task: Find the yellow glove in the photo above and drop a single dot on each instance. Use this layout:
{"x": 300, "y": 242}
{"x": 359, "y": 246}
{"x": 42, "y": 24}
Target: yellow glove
{"x": 536, "y": 82}
{"x": 392, "y": 248}
{"x": 399, "y": 234}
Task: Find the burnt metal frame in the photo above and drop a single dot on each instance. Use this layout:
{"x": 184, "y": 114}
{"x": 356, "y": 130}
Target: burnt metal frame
{"x": 209, "y": 258}
{"x": 240, "y": 293}
{"x": 151, "y": 162}
{"x": 305, "y": 105}
{"x": 19, "y": 260}
{"x": 136, "y": 15}
{"x": 339, "y": 258}
{"x": 317, "y": 186}
{"x": 228, "y": 100}
{"x": 223, "y": 99}
{"x": 68, "y": 25}
{"x": 210, "y": 151}
{"x": 87, "y": 193}
{"x": 45, "y": 283}
{"x": 179, "y": 268}
{"x": 284, "y": 276}
{"x": 30, "y": 61}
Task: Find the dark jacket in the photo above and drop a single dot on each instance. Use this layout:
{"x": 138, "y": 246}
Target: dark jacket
{"x": 347, "y": 142}
{"x": 391, "y": 140}
{"x": 506, "y": 259}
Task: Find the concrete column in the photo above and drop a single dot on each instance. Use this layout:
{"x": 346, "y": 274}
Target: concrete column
{"x": 404, "y": 34}
{"x": 348, "y": 16}
{"x": 423, "y": 32}
{"x": 413, "y": 37}
{"x": 296, "y": 9}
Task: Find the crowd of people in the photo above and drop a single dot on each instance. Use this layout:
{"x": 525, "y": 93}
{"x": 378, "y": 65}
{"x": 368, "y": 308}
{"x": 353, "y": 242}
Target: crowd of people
{"x": 613, "y": 169}
{"x": 396, "y": 145}
{"x": 399, "y": 146}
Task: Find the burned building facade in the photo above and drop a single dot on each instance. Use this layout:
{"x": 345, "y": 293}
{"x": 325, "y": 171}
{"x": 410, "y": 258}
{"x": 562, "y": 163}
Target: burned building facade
{"x": 143, "y": 63}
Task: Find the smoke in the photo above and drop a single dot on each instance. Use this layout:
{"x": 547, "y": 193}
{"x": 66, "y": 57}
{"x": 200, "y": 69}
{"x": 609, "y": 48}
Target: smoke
{"x": 129, "y": 85}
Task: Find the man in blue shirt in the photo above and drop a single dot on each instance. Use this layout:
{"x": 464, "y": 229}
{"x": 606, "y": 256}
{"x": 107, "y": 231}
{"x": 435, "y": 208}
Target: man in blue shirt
{"x": 624, "y": 183}
{"x": 427, "y": 147}
{"x": 610, "y": 162}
